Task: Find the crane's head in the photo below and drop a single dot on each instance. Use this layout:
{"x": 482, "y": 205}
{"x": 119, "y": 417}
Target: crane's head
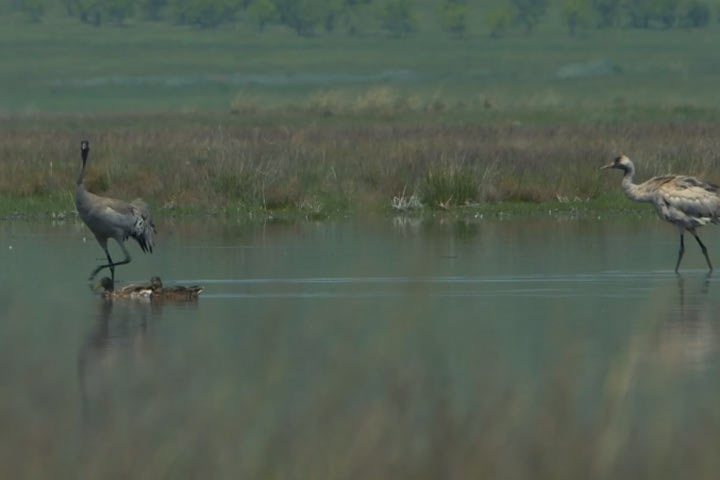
{"x": 84, "y": 149}
{"x": 622, "y": 162}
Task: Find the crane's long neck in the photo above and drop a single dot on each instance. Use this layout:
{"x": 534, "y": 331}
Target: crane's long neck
{"x": 631, "y": 190}
{"x": 82, "y": 197}
{"x": 81, "y": 175}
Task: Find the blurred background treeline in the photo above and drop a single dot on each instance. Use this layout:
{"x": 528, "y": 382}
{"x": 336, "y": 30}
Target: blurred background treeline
{"x": 392, "y": 17}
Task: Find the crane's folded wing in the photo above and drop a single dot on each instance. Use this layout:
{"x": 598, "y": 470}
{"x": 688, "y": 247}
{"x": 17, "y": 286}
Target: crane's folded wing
{"x": 133, "y": 220}
{"x": 690, "y": 198}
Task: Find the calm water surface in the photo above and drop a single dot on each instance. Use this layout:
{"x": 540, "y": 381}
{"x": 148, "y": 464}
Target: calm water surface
{"x": 363, "y": 349}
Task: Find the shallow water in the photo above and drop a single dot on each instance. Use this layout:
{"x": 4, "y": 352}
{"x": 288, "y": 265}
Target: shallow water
{"x": 370, "y": 349}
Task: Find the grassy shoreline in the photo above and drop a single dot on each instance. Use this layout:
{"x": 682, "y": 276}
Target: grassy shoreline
{"x": 61, "y": 207}
{"x": 183, "y": 166}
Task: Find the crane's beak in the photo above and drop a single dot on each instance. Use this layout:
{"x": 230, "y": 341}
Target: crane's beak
{"x": 609, "y": 165}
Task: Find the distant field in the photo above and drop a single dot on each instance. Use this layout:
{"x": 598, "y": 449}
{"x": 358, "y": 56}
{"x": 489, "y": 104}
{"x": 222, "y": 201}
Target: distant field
{"x": 598, "y": 76}
{"x": 230, "y": 120}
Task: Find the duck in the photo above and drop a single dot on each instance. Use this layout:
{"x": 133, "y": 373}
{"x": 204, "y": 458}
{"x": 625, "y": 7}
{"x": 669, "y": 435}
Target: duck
{"x": 176, "y": 292}
{"x": 155, "y": 290}
{"x": 134, "y": 291}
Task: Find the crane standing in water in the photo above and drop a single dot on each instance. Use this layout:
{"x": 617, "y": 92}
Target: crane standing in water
{"x": 109, "y": 218}
{"x": 686, "y": 202}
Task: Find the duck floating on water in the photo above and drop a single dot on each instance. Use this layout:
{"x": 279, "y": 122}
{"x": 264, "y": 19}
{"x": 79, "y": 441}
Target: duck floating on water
{"x": 135, "y": 291}
{"x": 153, "y": 290}
{"x": 176, "y": 292}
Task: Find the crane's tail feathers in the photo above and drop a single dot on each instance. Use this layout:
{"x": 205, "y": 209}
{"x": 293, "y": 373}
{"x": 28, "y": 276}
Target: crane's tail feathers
{"x": 143, "y": 230}
{"x": 144, "y": 233}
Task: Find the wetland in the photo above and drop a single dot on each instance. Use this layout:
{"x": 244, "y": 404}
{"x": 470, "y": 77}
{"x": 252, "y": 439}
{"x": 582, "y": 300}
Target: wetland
{"x": 362, "y": 348}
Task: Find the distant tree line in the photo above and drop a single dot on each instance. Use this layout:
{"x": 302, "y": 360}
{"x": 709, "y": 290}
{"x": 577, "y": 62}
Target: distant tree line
{"x": 577, "y": 14}
{"x": 395, "y": 17}
{"x": 635, "y": 13}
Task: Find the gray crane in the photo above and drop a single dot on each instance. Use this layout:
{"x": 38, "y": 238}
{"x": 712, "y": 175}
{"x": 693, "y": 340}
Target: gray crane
{"x": 109, "y": 218}
{"x": 686, "y": 202}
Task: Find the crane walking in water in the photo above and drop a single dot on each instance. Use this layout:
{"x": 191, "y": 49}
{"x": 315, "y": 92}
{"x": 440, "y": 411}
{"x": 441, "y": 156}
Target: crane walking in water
{"x": 686, "y": 202}
{"x": 109, "y": 218}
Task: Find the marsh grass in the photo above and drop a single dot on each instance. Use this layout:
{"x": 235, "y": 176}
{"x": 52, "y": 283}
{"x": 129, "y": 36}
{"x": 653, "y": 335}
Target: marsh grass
{"x": 454, "y": 185}
{"x": 323, "y": 169}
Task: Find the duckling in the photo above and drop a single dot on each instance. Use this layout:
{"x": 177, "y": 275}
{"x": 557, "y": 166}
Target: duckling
{"x": 127, "y": 291}
{"x": 177, "y": 292}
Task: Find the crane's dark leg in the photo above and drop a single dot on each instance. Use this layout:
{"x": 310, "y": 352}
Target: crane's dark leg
{"x": 704, "y": 250}
{"x": 681, "y": 252}
{"x": 111, "y": 265}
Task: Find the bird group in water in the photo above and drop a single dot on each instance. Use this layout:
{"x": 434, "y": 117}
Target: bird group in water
{"x": 685, "y": 202}
{"x": 111, "y": 218}
{"x": 152, "y": 291}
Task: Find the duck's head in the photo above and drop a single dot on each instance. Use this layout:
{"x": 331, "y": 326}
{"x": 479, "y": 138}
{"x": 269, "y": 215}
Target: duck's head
{"x": 156, "y": 283}
{"x": 622, "y": 162}
{"x": 106, "y": 284}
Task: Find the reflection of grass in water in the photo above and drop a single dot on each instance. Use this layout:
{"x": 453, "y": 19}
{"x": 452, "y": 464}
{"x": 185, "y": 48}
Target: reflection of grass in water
{"x": 346, "y": 399}
{"x": 320, "y": 169}
{"x": 370, "y": 389}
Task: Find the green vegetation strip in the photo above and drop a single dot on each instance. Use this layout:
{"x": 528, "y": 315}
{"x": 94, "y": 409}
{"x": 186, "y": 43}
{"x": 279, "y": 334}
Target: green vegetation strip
{"x": 321, "y": 170}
